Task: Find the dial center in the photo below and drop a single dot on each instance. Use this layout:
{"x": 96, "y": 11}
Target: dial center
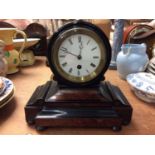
{"x": 79, "y": 66}
{"x": 79, "y": 57}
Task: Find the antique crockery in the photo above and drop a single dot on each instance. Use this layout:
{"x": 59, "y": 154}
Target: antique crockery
{"x": 3, "y": 62}
{"x": 7, "y": 100}
{"x": 11, "y": 54}
{"x": 150, "y": 69}
{"x": 143, "y": 96}
{"x": 151, "y": 66}
{"x": 28, "y": 57}
{"x": 143, "y": 85}
{"x": 30, "y": 42}
{"x": 3, "y": 86}
{"x": 131, "y": 59}
{"x": 8, "y": 92}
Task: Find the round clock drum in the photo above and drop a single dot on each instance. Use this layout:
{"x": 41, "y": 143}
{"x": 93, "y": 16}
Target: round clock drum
{"x": 79, "y": 53}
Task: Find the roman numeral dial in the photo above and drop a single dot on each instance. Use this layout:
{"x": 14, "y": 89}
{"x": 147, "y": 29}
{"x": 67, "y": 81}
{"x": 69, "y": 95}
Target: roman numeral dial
{"x": 79, "y": 56}
{"x": 70, "y": 41}
{"x": 94, "y": 48}
{"x": 64, "y": 64}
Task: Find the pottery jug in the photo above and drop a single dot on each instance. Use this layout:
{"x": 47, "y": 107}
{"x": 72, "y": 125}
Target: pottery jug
{"x": 28, "y": 58}
{"x": 3, "y": 62}
{"x": 11, "y": 54}
{"x": 131, "y": 59}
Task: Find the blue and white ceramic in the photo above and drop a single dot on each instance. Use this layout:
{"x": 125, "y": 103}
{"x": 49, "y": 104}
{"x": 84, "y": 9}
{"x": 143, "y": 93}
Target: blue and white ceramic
{"x": 151, "y": 66}
{"x": 9, "y": 88}
{"x": 131, "y": 59}
{"x": 144, "y": 96}
{"x": 3, "y": 88}
{"x": 143, "y": 85}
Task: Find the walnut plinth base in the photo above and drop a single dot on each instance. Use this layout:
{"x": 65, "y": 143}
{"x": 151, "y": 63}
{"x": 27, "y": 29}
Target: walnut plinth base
{"x": 54, "y": 105}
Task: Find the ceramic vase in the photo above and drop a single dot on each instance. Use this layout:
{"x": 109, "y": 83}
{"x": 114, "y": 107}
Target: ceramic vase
{"x": 11, "y": 54}
{"x": 131, "y": 59}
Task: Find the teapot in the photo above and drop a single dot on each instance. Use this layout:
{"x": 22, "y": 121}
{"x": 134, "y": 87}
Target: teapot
{"x": 12, "y": 56}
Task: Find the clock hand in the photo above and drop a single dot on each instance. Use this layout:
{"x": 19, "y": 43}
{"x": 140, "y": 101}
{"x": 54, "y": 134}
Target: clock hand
{"x": 70, "y": 53}
{"x": 81, "y": 47}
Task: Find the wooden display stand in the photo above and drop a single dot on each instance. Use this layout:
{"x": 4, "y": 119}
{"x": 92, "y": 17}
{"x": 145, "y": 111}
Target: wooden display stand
{"x": 54, "y": 105}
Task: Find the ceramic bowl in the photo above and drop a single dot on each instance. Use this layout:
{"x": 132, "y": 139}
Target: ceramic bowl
{"x": 30, "y": 42}
{"x": 143, "y": 96}
{"x": 143, "y": 85}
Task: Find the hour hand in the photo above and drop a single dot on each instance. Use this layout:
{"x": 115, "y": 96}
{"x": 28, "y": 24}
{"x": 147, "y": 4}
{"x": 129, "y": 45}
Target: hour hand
{"x": 81, "y": 46}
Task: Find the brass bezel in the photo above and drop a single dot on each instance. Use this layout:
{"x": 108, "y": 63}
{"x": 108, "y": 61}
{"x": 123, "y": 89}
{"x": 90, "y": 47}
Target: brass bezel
{"x": 58, "y": 42}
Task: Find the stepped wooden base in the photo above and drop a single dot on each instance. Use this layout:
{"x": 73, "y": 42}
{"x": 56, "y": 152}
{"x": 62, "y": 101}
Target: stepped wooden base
{"x": 54, "y": 105}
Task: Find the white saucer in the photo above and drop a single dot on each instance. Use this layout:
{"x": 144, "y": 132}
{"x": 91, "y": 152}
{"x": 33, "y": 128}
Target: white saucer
{"x": 30, "y": 42}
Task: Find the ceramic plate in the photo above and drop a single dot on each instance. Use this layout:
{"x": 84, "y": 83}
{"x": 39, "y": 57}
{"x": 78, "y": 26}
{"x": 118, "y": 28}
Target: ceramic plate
{"x": 4, "y": 87}
{"x": 9, "y": 87}
{"x": 30, "y": 42}
{"x": 7, "y": 100}
{"x": 149, "y": 68}
{"x": 144, "y": 82}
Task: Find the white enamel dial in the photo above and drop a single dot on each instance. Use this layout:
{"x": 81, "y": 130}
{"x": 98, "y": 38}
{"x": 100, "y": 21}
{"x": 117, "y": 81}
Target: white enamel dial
{"x": 79, "y": 55}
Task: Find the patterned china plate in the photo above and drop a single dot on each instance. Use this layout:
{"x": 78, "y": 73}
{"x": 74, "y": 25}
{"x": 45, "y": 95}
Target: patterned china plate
{"x": 142, "y": 81}
{"x": 150, "y": 69}
{"x": 10, "y": 97}
{"x": 4, "y": 87}
{"x": 9, "y": 88}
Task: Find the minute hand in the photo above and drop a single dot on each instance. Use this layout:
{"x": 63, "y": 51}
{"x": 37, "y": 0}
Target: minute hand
{"x": 70, "y": 53}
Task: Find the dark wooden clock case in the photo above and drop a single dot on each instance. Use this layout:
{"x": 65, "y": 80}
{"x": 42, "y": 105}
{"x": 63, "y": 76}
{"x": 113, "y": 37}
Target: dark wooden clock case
{"x": 54, "y": 105}
{"x": 59, "y": 103}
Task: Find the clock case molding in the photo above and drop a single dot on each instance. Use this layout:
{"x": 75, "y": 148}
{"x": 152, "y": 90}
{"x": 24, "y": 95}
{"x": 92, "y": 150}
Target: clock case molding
{"x": 59, "y": 103}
